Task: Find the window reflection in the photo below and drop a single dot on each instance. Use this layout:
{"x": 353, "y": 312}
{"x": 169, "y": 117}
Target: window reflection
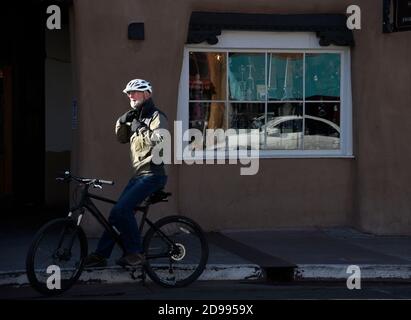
{"x": 283, "y": 130}
{"x": 285, "y": 76}
{"x": 247, "y": 76}
{"x": 243, "y": 117}
{"x": 266, "y": 92}
{"x": 322, "y": 76}
{"x": 206, "y": 115}
{"x": 246, "y": 115}
{"x": 207, "y": 76}
{"x": 328, "y": 111}
{"x": 322, "y": 126}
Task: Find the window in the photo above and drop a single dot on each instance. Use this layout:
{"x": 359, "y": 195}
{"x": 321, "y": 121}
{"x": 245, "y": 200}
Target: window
{"x": 296, "y": 94}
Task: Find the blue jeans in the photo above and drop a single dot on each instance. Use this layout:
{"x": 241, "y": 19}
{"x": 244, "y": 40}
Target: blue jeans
{"x": 122, "y": 214}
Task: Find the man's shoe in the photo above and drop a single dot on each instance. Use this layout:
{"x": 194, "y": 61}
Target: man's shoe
{"x": 131, "y": 260}
{"x": 94, "y": 260}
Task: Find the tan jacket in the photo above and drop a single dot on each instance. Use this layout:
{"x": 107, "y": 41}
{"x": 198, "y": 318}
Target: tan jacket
{"x": 143, "y": 141}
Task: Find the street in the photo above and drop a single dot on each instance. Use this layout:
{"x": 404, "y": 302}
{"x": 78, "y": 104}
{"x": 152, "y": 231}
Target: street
{"x": 216, "y": 290}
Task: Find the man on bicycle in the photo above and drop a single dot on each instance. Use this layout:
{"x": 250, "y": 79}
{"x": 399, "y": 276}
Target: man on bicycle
{"x": 139, "y": 127}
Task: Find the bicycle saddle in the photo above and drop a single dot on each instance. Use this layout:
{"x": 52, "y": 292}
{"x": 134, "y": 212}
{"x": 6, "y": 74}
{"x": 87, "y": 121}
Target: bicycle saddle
{"x": 159, "y": 196}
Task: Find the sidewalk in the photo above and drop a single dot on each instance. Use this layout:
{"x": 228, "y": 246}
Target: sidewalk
{"x": 14, "y": 243}
{"x": 325, "y": 254}
{"x": 283, "y": 254}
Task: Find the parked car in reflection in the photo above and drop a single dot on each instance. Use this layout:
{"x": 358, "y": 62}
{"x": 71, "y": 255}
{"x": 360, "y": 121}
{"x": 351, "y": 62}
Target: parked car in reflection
{"x": 286, "y": 133}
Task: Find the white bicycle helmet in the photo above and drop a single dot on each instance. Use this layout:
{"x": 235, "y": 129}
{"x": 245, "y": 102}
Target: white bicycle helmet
{"x": 138, "y": 85}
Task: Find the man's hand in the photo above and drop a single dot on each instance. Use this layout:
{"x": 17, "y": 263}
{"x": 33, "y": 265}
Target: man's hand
{"x": 137, "y": 125}
{"x": 128, "y": 117}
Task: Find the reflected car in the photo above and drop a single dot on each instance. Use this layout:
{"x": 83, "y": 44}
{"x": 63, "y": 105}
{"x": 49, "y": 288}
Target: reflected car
{"x": 286, "y": 133}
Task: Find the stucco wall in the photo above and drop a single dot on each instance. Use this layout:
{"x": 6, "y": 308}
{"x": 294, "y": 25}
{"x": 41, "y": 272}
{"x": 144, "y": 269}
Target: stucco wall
{"x": 382, "y": 100}
{"x": 368, "y": 192}
{"x": 106, "y": 60}
{"x": 284, "y": 193}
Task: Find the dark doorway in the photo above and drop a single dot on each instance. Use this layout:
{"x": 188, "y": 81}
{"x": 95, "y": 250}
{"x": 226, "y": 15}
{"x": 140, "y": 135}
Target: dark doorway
{"x": 6, "y": 164}
{"x": 22, "y": 27}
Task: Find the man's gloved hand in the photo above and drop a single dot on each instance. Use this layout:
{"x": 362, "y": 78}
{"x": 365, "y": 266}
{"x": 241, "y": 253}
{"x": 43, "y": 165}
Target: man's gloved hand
{"x": 128, "y": 116}
{"x": 137, "y": 125}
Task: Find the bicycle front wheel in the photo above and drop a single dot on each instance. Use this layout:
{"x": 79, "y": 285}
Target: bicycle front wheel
{"x": 176, "y": 251}
{"x": 55, "y": 258}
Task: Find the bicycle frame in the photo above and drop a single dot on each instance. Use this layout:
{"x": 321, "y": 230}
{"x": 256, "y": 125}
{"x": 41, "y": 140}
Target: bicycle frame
{"x": 87, "y": 203}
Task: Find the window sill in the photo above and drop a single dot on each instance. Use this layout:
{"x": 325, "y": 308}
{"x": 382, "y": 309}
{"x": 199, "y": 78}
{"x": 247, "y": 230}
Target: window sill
{"x": 263, "y": 155}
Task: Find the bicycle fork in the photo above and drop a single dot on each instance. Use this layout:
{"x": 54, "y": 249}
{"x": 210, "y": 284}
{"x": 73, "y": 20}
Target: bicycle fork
{"x": 65, "y": 254}
{"x": 79, "y": 217}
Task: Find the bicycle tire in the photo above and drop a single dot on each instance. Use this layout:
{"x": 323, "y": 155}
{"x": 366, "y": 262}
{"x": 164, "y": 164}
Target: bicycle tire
{"x": 189, "y": 238}
{"x": 69, "y": 237}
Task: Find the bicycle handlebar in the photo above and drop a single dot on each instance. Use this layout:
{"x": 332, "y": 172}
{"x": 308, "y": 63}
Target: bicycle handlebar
{"x": 96, "y": 182}
{"x": 106, "y": 182}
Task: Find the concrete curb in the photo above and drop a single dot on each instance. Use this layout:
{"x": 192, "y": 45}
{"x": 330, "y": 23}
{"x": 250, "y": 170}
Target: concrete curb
{"x": 119, "y": 275}
{"x": 311, "y": 272}
{"x": 339, "y": 272}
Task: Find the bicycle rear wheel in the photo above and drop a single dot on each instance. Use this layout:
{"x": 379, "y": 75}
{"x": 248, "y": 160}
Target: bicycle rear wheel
{"x": 55, "y": 258}
{"x": 176, "y": 253}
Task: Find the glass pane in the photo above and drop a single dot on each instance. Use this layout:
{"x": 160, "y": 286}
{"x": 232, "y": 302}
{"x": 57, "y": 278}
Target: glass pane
{"x": 198, "y": 114}
{"x": 283, "y": 130}
{"x": 322, "y": 76}
{"x": 285, "y": 76}
{"x": 207, "y": 76}
{"x": 328, "y": 111}
{"x": 242, "y": 118}
{"x": 206, "y": 115}
{"x": 246, "y": 76}
{"x": 322, "y": 126}
{"x": 246, "y": 115}
{"x": 203, "y": 115}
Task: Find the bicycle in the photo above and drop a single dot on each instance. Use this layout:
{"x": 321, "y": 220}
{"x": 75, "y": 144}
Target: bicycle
{"x": 175, "y": 247}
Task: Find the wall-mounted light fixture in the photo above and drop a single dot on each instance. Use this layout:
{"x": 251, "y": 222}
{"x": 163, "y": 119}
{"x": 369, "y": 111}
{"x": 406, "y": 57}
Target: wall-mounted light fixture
{"x": 136, "y": 31}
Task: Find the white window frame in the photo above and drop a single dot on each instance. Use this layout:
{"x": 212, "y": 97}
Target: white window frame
{"x": 250, "y": 41}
